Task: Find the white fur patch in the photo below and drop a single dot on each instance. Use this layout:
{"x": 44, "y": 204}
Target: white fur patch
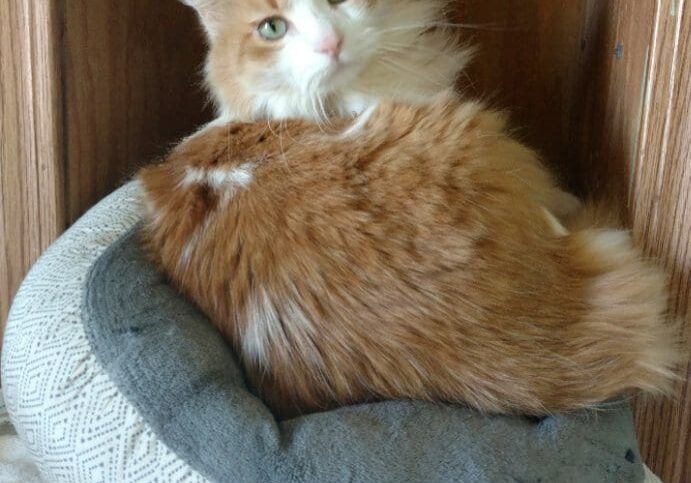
{"x": 151, "y": 213}
{"x": 558, "y": 229}
{"x": 607, "y": 240}
{"x": 198, "y": 235}
{"x": 263, "y": 330}
{"x": 241, "y": 177}
{"x": 192, "y": 176}
{"x": 266, "y": 330}
{"x": 226, "y": 182}
{"x": 612, "y": 245}
{"x": 220, "y": 178}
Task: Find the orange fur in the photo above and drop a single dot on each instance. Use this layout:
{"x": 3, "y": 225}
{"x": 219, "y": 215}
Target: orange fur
{"x": 416, "y": 258}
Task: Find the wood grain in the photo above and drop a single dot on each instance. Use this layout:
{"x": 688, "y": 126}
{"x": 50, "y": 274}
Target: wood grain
{"x": 533, "y": 60}
{"x": 132, "y": 86}
{"x": 662, "y": 218}
{"x": 31, "y": 162}
{"x": 572, "y": 75}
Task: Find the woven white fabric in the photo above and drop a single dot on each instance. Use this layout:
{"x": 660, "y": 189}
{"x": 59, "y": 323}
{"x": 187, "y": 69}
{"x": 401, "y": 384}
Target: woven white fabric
{"x": 76, "y": 424}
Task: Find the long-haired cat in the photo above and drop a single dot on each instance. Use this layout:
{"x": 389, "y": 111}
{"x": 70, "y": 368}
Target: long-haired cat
{"x": 412, "y": 252}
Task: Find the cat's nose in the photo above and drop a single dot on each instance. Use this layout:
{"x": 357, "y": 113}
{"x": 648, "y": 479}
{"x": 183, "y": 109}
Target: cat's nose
{"x": 331, "y": 45}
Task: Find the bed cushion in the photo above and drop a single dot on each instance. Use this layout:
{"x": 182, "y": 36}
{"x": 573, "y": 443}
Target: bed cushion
{"x": 110, "y": 375}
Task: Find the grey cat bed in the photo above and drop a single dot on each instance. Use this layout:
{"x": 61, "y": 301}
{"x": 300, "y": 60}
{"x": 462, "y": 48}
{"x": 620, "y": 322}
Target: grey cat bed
{"x": 162, "y": 379}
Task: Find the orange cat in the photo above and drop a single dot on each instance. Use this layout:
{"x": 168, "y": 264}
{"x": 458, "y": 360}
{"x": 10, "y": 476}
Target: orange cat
{"x": 414, "y": 259}
{"x": 412, "y": 249}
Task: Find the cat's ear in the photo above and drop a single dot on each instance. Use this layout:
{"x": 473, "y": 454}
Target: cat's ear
{"x": 211, "y": 12}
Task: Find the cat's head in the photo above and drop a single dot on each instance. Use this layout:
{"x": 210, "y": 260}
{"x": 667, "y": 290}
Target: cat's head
{"x": 311, "y": 59}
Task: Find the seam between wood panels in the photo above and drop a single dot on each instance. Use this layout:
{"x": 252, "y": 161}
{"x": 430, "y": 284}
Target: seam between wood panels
{"x": 651, "y": 85}
{"x": 672, "y": 84}
{"x": 32, "y": 90}
{"x": 643, "y": 113}
{"x": 64, "y": 114}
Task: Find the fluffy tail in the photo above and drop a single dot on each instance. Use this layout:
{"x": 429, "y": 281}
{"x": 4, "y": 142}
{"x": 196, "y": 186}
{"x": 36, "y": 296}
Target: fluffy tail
{"x": 629, "y": 341}
{"x": 600, "y": 213}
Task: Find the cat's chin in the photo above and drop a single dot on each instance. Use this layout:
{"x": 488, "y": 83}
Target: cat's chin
{"x": 341, "y": 74}
{"x": 338, "y": 74}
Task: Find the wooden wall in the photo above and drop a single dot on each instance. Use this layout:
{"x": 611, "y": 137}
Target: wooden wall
{"x": 661, "y": 209}
{"x": 132, "y": 87}
{"x": 573, "y": 75}
{"x": 91, "y": 89}
{"x": 31, "y": 175}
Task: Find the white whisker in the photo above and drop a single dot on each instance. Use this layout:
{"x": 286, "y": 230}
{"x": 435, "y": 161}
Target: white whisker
{"x": 407, "y": 48}
{"x": 490, "y": 27}
{"x": 410, "y": 71}
{"x": 320, "y": 102}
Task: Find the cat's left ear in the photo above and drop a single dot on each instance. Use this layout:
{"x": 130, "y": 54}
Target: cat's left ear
{"x": 211, "y": 12}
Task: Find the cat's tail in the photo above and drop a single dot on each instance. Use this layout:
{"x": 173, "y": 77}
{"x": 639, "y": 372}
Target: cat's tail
{"x": 595, "y": 213}
{"x": 625, "y": 327}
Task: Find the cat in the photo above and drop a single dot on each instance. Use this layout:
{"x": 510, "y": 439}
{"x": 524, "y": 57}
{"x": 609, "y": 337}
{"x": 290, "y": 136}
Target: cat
{"x": 328, "y": 57}
{"x": 378, "y": 243}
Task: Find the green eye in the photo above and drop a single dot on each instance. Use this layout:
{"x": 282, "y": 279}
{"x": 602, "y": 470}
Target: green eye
{"x": 336, "y": 2}
{"x": 273, "y": 28}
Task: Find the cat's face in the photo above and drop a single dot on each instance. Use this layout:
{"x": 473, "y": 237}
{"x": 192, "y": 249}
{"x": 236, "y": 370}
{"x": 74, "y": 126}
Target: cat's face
{"x": 311, "y": 59}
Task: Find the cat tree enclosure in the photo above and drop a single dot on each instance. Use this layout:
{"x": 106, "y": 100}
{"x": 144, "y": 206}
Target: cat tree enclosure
{"x": 89, "y": 90}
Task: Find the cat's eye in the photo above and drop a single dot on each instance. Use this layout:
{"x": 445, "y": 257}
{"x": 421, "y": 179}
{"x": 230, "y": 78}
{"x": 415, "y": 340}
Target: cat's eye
{"x": 336, "y": 2}
{"x": 273, "y": 28}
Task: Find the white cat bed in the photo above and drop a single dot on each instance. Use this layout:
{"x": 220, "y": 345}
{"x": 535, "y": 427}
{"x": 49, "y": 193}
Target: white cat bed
{"x": 77, "y": 424}
{"x": 110, "y": 376}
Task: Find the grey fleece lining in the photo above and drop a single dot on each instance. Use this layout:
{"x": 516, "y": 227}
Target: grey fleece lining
{"x": 176, "y": 370}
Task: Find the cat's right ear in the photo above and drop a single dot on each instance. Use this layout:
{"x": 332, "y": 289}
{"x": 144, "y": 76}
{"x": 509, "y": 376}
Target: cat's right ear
{"x": 211, "y": 12}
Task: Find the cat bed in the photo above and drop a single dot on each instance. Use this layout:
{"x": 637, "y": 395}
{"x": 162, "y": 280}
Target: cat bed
{"x": 109, "y": 375}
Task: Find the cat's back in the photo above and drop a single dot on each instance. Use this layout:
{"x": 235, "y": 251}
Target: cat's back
{"x": 360, "y": 256}
{"x": 411, "y": 175}
{"x": 418, "y": 206}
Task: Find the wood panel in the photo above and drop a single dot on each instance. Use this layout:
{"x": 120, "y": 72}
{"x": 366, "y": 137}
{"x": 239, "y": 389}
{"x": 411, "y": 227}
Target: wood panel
{"x": 31, "y": 163}
{"x": 132, "y": 87}
{"x": 532, "y": 60}
{"x": 572, "y": 75}
{"x": 89, "y": 90}
{"x": 662, "y": 218}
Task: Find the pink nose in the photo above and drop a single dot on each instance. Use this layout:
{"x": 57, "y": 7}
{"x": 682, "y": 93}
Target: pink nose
{"x": 331, "y": 45}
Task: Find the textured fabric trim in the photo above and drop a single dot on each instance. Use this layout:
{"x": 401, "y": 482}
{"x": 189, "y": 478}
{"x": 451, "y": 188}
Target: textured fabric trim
{"x": 76, "y": 423}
